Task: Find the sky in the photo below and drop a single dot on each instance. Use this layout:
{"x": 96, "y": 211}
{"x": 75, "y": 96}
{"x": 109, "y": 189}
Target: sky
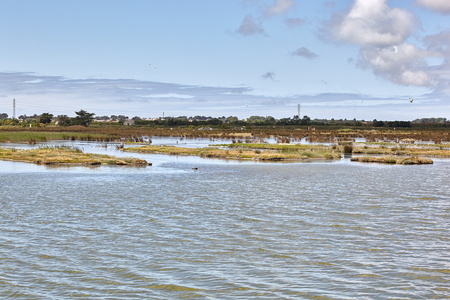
{"x": 343, "y": 59}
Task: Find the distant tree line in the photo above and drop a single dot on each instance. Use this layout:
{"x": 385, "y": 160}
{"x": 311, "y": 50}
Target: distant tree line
{"x": 84, "y": 118}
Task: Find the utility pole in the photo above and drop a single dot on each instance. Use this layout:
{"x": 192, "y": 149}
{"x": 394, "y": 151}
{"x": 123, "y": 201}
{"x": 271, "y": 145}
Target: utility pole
{"x": 14, "y": 108}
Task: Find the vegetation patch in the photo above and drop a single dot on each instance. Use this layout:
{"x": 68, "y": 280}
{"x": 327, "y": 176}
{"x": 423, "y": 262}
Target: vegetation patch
{"x": 393, "y": 160}
{"x": 260, "y": 152}
{"x": 33, "y": 136}
{"x": 66, "y": 156}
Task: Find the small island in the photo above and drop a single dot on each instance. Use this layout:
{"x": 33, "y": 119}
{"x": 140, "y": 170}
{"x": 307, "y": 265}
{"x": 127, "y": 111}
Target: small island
{"x": 393, "y": 160}
{"x": 297, "y": 152}
{"x": 242, "y": 151}
{"x": 66, "y": 156}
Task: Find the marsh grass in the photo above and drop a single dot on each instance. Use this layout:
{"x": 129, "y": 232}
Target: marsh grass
{"x": 65, "y": 156}
{"x": 263, "y": 152}
{"x": 404, "y": 151}
{"x": 393, "y": 160}
{"x": 34, "y": 137}
{"x": 132, "y": 133}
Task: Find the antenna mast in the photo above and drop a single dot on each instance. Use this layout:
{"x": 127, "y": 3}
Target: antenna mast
{"x": 14, "y": 108}
{"x": 298, "y": 108}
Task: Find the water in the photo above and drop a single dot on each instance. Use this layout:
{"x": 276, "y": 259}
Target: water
{"x": 229, "y": 230}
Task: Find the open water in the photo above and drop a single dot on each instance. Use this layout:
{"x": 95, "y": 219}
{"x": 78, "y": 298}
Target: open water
{"x": 229, "y": 230}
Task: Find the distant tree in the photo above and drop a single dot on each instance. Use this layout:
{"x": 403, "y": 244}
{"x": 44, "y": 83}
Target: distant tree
{"x": 46, "y": 118}
{"x": 63, "y": 120}
{"x": 83, "y": 118}
{"x": 232, "y": 119}
{"x": 3, "y": 116}
{"x": 305, "y": 120}
{"x": 270, "y": 120}
{"x": 256, "y": 119}
{"x": 378, "y": 123}
{"x": 30, "y": 123}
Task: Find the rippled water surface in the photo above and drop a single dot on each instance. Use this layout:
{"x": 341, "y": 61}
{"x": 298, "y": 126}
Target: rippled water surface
{"x": 334, "y": 230}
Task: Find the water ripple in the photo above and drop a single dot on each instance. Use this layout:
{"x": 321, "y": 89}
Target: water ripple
{"x": 264, "y": 231}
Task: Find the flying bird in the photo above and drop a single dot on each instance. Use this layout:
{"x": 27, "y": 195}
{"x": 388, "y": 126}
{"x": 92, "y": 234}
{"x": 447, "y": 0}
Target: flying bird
{"x": 411, "y": 100}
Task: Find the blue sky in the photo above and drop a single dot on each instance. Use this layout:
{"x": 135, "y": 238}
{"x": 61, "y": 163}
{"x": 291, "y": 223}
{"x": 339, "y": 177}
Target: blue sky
{"x": 349, "y": 59}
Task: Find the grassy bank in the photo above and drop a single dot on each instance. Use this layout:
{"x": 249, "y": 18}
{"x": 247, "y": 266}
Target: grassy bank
{"x": 65, "y": 156}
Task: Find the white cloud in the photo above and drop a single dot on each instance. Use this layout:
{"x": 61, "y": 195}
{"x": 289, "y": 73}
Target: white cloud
{"x": 250, "y": 27}
{"x": 441, "y": 6}
{"x": 381, "y": 32}
{"x": 279, "y": 7}
{"x": 403, "y": 64}
{"x": 372, "y": 23}
{"x": 440, "y": 42}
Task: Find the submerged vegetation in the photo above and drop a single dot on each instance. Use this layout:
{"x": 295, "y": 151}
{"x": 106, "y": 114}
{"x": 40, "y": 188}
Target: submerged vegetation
{"x": 65, "y": 156}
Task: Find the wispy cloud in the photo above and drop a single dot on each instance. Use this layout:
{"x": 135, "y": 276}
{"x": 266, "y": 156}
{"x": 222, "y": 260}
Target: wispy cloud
{"x": 279, "y": 7}
{"x": 304, "y": 52}
{"x": 268, "y": 75}
{"x": 295, "y": 22}
{"x": 250, "y": 27}
{"x": 60, "y": 95}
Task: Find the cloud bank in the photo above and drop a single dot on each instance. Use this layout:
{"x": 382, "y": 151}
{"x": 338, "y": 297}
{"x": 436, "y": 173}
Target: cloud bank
{"x": 36, "y": 94}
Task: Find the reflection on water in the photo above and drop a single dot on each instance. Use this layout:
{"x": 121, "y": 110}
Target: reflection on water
{"x": 227, "y": 230}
